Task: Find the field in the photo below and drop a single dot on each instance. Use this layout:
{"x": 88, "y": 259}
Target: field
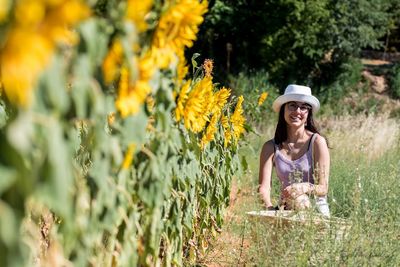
{"x": 363, "y": 191}
{"x": 130, "y": 131}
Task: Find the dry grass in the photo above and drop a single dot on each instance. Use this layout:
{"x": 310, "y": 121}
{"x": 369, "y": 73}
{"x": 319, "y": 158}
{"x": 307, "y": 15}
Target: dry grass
{"x": 369, "y": 135}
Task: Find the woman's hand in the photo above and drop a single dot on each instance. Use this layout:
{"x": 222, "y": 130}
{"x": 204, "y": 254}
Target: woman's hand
{"x": 297, "y": 189}
{"x": 295, "y": 196}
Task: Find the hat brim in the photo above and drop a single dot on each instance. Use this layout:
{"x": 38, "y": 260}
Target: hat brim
{"x": 309, "y": 99}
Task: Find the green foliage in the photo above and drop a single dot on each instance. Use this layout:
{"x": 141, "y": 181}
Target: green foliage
{"x": 295, "y": 41}
{"x": 331, "y": 95}
{"x": 3, "y": 113}
{"x": 251, "y": 85}
{"x": 394, "y": 81}
{"x": 295, "y": 44}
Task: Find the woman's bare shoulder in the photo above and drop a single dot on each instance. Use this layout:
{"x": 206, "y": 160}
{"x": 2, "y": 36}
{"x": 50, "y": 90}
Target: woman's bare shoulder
{"x": 268, "y": 147}
{"x": 320, "y": 141}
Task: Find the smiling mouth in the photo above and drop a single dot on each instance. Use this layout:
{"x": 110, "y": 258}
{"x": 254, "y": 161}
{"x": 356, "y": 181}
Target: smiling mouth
{"x": 295, "y": 118}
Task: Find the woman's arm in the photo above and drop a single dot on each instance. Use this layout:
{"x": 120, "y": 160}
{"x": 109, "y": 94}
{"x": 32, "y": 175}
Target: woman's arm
{"x": 321, "y": 166}
{"x": 266, "y": 165}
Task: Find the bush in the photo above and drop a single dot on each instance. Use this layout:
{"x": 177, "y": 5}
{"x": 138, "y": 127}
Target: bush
{"x": 296, "y": 41}
{"x": 346, "y": 82}
{"x": 253, "y": 86}
{"x": 394, "y": 81}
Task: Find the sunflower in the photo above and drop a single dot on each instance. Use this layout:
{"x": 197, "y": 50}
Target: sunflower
{"x": 182, "y": 68}
{"x": 21, "y": 64}
{"x": 227, "y": 130}
{"x": 112, "y": 61}
{"x": 182, "y": 97}
{"x": 4, "y": 9}
{"x": 198, "y": 105}
{"x": 137, "y": 11}
{"x": 262, "y": 98}
{"x": 132, "y": 94}
{"x": 178, "y": 26}
{"x": 210, "y": 130}
{"x": 162, "y": 56}
{"x": 128, "y": 156}
{"x": 59, "y": 17}
{"x": 237, "y": 119}
{"x": 37, "y": 28}
{"x": 220, "y": 99}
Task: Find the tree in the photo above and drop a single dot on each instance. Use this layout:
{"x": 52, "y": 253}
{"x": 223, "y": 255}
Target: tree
{"x": 294, "y": 40}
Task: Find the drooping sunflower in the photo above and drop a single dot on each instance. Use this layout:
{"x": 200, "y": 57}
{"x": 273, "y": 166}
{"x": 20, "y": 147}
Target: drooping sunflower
{"x": 208, "y": 66}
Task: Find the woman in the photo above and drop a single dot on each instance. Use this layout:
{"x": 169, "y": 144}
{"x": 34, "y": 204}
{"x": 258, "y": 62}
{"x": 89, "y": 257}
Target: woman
{"x": 298, "y": 152}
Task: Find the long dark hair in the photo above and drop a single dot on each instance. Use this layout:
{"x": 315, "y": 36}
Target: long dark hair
{"x": 281, "y": 128}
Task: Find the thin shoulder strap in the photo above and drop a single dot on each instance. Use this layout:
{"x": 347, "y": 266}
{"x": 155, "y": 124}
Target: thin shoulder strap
{"x": 311, "y": 141}
{"x": 275, "y": 146}
{"x": 275, "y": 150}
{"x": 310, "y": 145}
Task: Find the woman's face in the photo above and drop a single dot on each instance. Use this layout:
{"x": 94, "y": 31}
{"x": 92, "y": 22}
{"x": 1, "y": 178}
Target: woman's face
{"x": 296, "y": 113}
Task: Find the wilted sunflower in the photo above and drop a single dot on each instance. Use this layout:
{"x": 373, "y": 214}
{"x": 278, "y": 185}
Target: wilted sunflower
{"x": 208, "y": 66}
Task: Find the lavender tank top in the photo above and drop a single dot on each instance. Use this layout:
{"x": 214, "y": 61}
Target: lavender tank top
{"x": 295, "y": 171}
{"x": 299, "y": 170}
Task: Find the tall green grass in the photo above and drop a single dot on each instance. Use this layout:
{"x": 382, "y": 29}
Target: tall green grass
{"x": 364, "y": 192}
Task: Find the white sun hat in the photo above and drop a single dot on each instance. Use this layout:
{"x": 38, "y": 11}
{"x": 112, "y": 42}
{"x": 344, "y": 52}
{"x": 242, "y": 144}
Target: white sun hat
{"x": 298, "y": 93}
